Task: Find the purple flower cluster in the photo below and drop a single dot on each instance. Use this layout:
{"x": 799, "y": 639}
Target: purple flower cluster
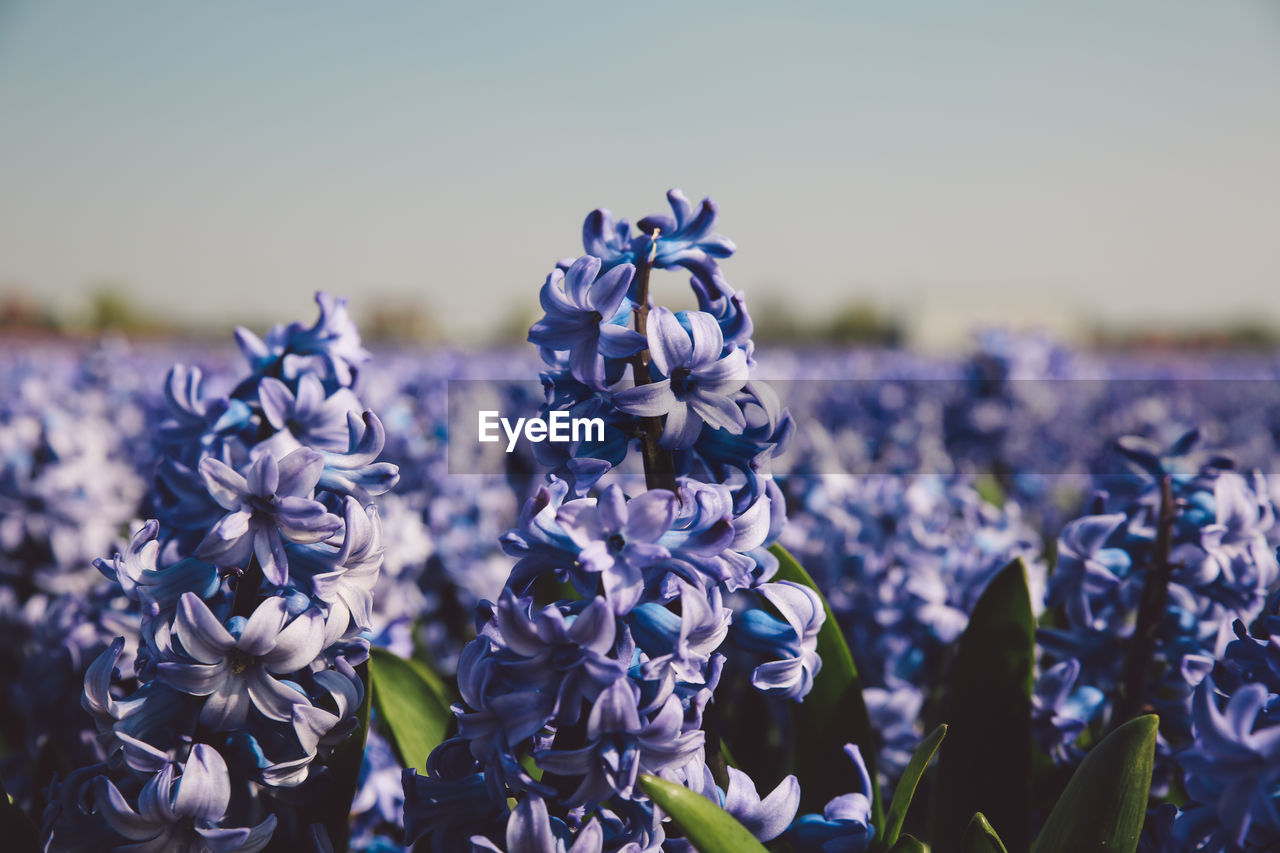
{"x": 252, "y": 586}
{"x": 601, "y": 659}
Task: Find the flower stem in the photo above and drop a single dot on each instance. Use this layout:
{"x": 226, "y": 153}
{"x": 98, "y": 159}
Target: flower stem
{"x": 659, "y": 466}
{"x": 245, "y": 600}
{"x": 1151, "y": 610}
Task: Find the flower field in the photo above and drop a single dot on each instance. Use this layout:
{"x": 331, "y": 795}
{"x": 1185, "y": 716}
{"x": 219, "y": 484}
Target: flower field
{"x": 280, "y": 595}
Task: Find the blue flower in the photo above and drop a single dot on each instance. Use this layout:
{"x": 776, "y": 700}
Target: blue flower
{"x": 687, "y": 349}
{"x": 1060, "y": 714}
{"x": 620, "y": 746}
{"x": 235, "y": 671}
{"x": 272, "y": 503}
{"x": 794, "y": 641}
{"x": 182, "y": 812}
{"x": 530, "y": 829}
{"x": 618, "y": 538}
{"x": 308, "y": 418}
{"x": 845, "y": 824}
{"x": 1232, "y": 771}
{"x": 1089, "y": 575}
{"x": 331, "y": 347}
{"x": 685, "y": 238}
{"x": 587, "y": 316}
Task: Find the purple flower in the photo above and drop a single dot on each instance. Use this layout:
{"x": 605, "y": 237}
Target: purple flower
{"x": 1233, "y": 769}
{"x": 845, "y": 824}
{"x": 587, "y": 316}
{"x": 795, "y": 642}
{"x": 570, "y": 658}
{"x": 1058, "y": 713}
{"x": 182, "y": 813}
{"x": 331, "y": 346}
{"x": 356, "y": 471}
{"x": 272, "y": 503}
{"x": 686, "y": 238}
{"x": 681, "y": 644}
{"x": 765, "y": 819}
{"x": 308, "y": 418}
{"x": 1089, "y": 574}
{"x": 531, "y": 829}
{"x": 617, "y": 538}
{"x": 700, "y": 379}
{"x": 344, "y": 577}
{"x": 620, "y": 746}
{"x": 236, "y": 671}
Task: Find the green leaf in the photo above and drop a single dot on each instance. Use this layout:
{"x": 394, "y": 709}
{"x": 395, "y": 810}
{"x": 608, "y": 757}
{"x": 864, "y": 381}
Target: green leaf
{"x": 979, "y": 837}
{"x": 906, "y": 790}
{"x": 908, "y": 844}
{"x": 1105, "y": 802}
{"x": 708, "y": 827}
{"x": 334, "y": 803}
{"x": 832, "y": 715}
{"x": 986, "y": 764}
{"x": 416, "y": 716}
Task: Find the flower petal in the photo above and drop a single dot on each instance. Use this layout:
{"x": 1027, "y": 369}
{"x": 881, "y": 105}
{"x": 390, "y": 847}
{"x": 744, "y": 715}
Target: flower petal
{"x": 200, "y": 632}
{"x": 204, "y": 791}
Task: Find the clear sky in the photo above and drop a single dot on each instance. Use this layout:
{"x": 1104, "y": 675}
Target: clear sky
{"x": 970, "y": 159}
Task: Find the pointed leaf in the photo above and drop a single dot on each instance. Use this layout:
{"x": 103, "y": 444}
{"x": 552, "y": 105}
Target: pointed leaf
{"x": 908, "y": 844}
{"x": 1105, "y": 802}
{"x": 986, "y": 763}
{"x": 415, "y": 715}
{"x": 344, "y": 768}
{"x": 709, "y": 828}
{"x": 832, "y": 715}
{"x": 903, "y": 794}
{"x": 979, "y": 837}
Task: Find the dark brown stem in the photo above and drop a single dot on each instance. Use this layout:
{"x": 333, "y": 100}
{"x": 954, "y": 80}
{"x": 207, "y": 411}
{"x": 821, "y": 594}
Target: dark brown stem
{"x": 659, "y": 466}
{"x": 1151, "y": 610}
{"x": 246, "y": 594}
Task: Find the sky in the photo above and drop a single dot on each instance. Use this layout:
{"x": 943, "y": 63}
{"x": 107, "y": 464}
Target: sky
{"x": 950, "y": 163}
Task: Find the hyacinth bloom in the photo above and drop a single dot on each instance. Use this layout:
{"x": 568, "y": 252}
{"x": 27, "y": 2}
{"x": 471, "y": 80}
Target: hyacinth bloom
{"x": 620, "y": 746}
{"x": 794, "y": 641}
{"x": 273, "y": 502}
{"x": 1233, "y": 770}
{"x": 699, "y": 379}
{"x": 309, "y": 417}
{"x": 1087, "y": 571}
{"x": 569, "y": 657}
{"x": 331, "y": 345}
{"x": 617, "y": 538}
{"x": 237, "y": 671}
{"x": 180, "y": 813}
{"x": 765, "y": 818}
{"x": 1059, "y": 710}
{"x": 531, "y": 829}
{"x": 586, "y": 315}
{"x": 845, "y": 823}
{"x": 686, "y": 238}
{"x": 1236, "y": 548}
